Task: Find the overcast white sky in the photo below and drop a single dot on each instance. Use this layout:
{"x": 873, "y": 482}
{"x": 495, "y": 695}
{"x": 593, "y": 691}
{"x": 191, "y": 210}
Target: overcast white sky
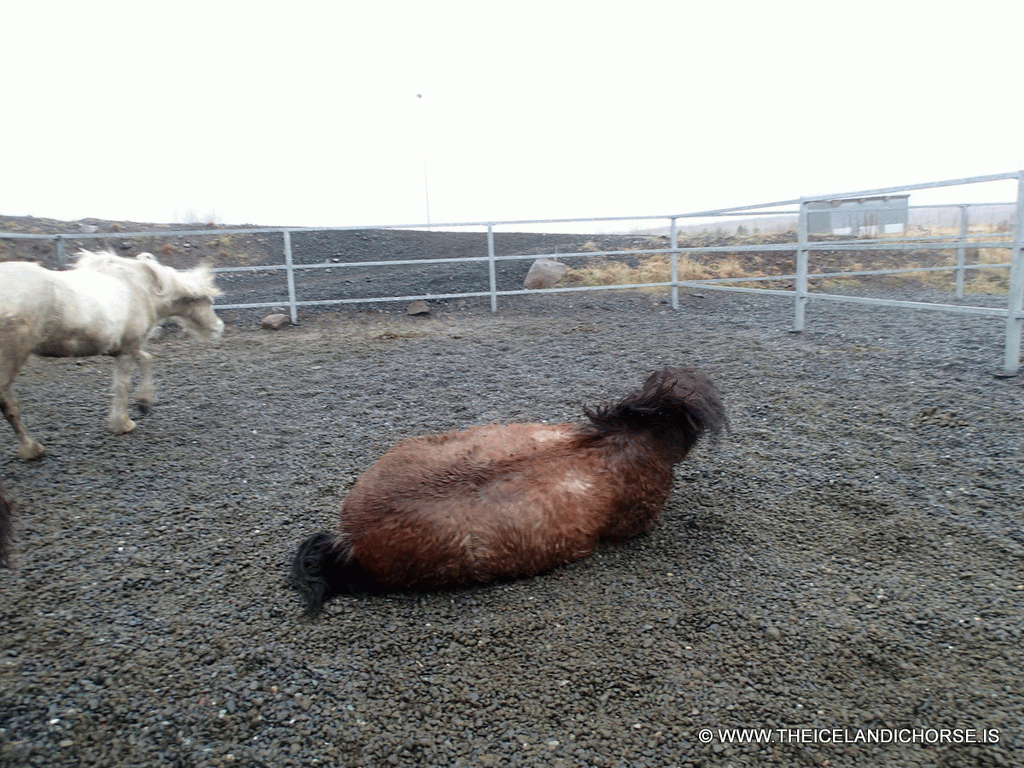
{"x": 306, "y": 113}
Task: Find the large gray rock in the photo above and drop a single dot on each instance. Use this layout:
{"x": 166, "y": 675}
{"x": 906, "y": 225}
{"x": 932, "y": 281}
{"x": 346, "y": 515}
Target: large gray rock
{"x": 275, "y": 322}
{"x": 544, "y": 273}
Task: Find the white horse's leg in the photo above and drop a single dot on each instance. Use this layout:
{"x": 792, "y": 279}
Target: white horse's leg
{"x": 28, "y": 448}
{"x": 146, "y": 392}
{"x": 118, "y": 420}
{"x": 15, "y": 348}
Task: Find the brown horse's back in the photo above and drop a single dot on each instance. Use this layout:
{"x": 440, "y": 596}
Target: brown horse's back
{"x": 492, "y": 502}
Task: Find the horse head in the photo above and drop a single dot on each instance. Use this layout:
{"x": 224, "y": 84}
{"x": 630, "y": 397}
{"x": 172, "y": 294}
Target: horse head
{"x": 187, "y": 296}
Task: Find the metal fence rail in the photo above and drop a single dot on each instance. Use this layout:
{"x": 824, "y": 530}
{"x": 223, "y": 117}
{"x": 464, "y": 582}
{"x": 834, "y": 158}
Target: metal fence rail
{"x": 802, "y": 248}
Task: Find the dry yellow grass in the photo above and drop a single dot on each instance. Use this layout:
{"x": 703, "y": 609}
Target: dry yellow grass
{"x": 657, "y": 269}
{"x": 653, "y": 269}
{"x": 989, "y": 280}
{"x": 994, "y": 280}
{"x": 730, "y": 267}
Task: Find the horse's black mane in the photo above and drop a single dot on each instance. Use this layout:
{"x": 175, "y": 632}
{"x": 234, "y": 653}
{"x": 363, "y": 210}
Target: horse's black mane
{"x": 680, "y": 399}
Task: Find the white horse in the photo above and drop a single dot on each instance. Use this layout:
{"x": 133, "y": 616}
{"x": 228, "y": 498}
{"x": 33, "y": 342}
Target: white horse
{"x": 105, "y": 305}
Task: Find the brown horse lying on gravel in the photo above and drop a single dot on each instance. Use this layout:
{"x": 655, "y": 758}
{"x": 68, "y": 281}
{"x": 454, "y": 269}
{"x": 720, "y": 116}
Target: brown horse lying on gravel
{"x": 504, "y": 501}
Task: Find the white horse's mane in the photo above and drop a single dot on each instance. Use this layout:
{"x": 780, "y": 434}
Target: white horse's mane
{"x": 195, "y": 283}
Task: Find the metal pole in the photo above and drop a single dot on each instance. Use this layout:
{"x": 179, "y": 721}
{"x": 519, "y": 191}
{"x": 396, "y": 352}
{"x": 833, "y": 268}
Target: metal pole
{"x": 801, "y": 269}
{"x": 1015, "y": 296}
{"x": 426, "y": 188}
{"x": 491, "y": 271}
{"x": 423, "y": 138}
{"x": 961, "y": 253}
{"x": 290, "y": 272}
{"x": 674, "y": 245}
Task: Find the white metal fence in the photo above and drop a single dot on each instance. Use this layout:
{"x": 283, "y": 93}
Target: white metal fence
{"x": 803, "y": 249}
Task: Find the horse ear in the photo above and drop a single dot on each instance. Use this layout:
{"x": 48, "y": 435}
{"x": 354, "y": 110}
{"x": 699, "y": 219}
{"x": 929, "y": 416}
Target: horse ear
{"x": 156, "y": 271}
{"x": 205, "y": 280}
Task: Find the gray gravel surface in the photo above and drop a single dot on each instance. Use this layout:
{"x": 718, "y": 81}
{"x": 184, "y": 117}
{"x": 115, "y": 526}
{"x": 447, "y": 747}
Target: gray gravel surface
{"x": 849, "y": 560}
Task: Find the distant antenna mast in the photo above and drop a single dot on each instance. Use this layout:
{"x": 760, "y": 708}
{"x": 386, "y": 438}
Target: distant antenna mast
{"x": 423, "y": 138}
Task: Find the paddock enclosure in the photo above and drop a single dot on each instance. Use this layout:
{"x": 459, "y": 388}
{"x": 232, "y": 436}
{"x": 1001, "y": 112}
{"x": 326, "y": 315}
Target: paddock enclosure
{"x": 848, "y": 558}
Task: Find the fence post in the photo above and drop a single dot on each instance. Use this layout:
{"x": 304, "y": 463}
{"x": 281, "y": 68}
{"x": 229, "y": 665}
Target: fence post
{"x": 961, "y": 252}
{"x": 62, "y": 256}
{"x": 674, "y": 245}
{"x": 290, "y": 272}
{"x": 801, "y": 269}
{"x": 1015, "y": 296}
{"x": 491, "y": 271}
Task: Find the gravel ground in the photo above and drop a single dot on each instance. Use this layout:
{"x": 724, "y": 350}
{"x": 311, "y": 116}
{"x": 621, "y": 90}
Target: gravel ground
{"x": 850, "y": 557}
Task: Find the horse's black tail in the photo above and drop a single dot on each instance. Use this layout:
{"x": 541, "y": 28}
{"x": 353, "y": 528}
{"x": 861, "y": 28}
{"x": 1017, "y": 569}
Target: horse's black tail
{"x": 323, "y": 567}
{"x": 7, "y": 508}
{"x": 679, "y": 402}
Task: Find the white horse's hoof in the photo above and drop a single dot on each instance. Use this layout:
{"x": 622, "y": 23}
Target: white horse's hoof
{"x": 121, "y": 426}
{"x": 31, "y": 451}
